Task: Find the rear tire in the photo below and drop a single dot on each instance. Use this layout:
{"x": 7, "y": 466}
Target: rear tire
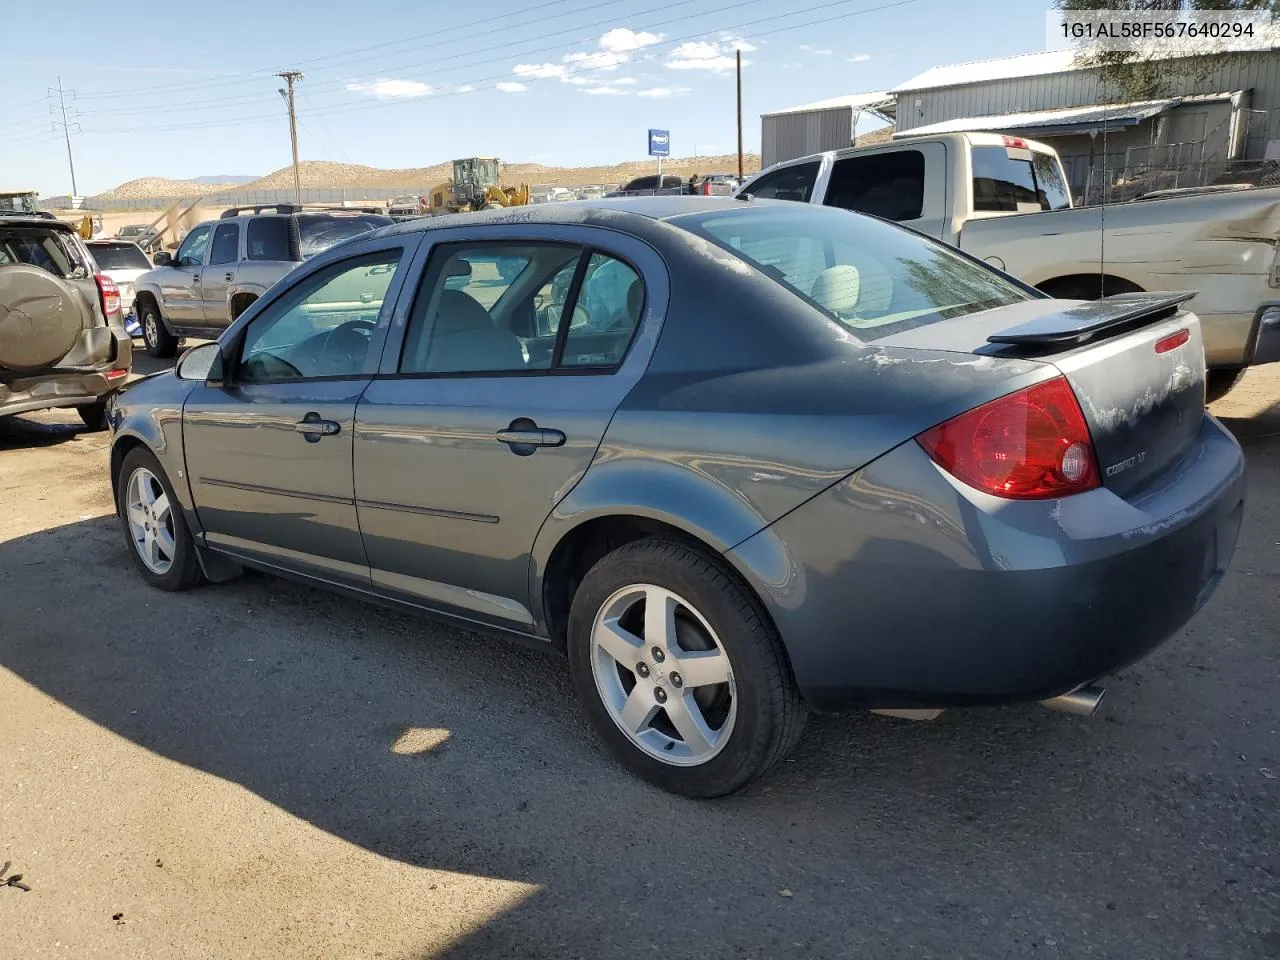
{"x": 160, "y": 343}
{"x": 155, "y": 531}
{"x": 1220, "y": 381}
{"x": 741, "y": 725}
{"x": 94, "y": 415}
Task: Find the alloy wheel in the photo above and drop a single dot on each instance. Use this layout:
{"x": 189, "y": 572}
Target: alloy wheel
{"x": 150, "y": 518}
{"x": 663, "y": 675}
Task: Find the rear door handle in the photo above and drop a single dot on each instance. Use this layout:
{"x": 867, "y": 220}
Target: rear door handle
{"x": 228, "y": 277}
{"x": 523, "y": 436}
{"x": 313, "y": 428}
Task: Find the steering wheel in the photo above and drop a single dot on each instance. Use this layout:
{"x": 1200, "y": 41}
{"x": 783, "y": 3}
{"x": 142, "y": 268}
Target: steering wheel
{"x": 349, "y": 342}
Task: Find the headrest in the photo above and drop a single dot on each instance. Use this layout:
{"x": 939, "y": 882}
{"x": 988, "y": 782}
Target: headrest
{"x": 458, "y": 311}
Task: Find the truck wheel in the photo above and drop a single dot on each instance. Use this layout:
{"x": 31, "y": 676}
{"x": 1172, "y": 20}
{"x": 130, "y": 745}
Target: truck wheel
{"x": 678, "y": 670}
{"x": 1221, "y": 381}
{"x": 159, "y": 341}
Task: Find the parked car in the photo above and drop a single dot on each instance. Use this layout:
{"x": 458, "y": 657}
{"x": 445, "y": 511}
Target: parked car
{"x": 717, "y": 185}
{"x": 649, "y": 186}
{"x": 134, "y": 231}
{"x": 1005, "y": 199}
{"x": 721, "y": 530}
{"x": 222, "y": 266}
{"x": 62, "y": 343}
{"x": 124, "y": 262}
{"x": 590, "y": 193}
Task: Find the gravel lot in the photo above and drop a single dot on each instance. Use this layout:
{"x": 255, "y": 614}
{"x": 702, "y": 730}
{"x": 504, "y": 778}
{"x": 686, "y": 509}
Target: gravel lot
{"x": 262, "y": 770}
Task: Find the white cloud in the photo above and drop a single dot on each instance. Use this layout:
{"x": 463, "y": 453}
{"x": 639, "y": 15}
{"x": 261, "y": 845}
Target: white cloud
{"x": 539, "y": 71}
{"x": 596, "y": 60}
{"x": 620, "y": 40}
{"x": 463, "y": 88}
{"x": 578, "y": 81}
{"x": 510, "y": 86}
{"x": 624, "y": 82}
{"x": 605, "y": 91}
{"x": 385, "y": 89}
{"x": 816, "y": 52}
{"x": 705, "y": 55}
{"x": 663, "y": 92}
{"x": 860, "y": 58}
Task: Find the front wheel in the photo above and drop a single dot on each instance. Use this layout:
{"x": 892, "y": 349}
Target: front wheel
{"x": 679, "y": 671}
{"x": 160, "y": 343}
{"x": 154, "y": 529}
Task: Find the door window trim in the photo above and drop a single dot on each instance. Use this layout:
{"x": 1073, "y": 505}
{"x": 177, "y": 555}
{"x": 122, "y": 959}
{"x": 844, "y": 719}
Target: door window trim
{"x": 588, "y": 249}
{"x": 235, "y": 345}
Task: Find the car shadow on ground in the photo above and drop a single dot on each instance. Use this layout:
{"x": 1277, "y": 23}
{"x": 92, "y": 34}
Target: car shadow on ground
{"x": 884, "y": 831}
{"x": 22, "y": 432}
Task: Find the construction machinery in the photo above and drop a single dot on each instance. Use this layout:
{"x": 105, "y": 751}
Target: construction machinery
{"x": 476, "y": 185}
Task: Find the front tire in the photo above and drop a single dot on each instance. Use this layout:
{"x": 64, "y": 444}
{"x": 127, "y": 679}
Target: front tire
{"x": 160, "y": 343}
{"x": 155, "y": 531}
{"x": 94, "y": 415}
{"x": 1220, "y": 381}
{"x": 679, "y": 671}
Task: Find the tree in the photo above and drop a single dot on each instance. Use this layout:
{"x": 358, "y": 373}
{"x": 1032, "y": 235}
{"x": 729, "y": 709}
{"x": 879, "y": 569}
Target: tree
{"x": 1131, "y": 75}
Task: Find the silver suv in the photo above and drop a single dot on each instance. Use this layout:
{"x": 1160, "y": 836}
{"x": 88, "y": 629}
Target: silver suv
{"x": 62, "y": 340}
{"x": 224, "y": 265}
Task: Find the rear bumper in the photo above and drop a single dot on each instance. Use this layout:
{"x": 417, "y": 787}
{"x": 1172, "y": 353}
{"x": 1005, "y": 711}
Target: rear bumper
{"x": 901, "y": 588}
{"x": 69, "y": 387}
{"x": 1242, "y": 339}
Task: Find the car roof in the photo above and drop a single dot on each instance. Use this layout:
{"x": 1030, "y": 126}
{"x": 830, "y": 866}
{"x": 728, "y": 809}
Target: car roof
{"x": 602, "y": 212}
{"x": 22, "y": 220}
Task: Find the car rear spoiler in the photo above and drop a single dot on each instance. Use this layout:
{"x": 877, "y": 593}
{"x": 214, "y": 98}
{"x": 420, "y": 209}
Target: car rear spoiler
{"x": 1082, "y": 322}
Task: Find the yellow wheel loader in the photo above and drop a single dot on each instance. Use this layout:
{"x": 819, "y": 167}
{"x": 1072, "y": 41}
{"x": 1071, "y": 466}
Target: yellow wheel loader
{"x": 476, "y": 185}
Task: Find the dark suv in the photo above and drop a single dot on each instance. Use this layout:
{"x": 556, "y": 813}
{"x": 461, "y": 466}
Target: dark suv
{"x": 224, "y": 265}
{"x": 62, "y": 338}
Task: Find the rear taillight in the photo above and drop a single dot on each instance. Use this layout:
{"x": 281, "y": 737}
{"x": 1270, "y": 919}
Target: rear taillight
{"x": 108, "y": 295}
{"x": 1029, "y": 445}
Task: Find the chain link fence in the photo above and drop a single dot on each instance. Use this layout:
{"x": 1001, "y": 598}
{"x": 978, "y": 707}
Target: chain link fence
{"x": 1113, "y": 185}
{"x": 242, "y": 198}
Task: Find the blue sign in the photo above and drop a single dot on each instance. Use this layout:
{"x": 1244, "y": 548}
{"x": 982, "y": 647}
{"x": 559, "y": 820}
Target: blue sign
{"x": 659, "y": 143}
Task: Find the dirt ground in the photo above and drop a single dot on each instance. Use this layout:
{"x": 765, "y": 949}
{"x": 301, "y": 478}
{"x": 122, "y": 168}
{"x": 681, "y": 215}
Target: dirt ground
{"x": 261, "y": 770}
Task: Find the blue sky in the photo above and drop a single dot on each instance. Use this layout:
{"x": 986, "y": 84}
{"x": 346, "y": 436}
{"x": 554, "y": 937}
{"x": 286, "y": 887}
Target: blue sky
{"x": 396, "y": 84}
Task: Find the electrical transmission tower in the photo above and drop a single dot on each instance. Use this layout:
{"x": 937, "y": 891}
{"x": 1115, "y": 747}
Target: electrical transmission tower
{"x": 60, "y": 119}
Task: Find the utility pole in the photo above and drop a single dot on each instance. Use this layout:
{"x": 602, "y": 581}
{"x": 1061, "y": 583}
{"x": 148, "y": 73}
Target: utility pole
{"x": 738, "y": 57}
{"x": 66, "y": 129}
{"x": 290, "y": 77}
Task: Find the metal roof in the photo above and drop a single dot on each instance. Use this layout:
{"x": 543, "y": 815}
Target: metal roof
{"x": 879, "y": 102}
{"x": 1059, "y": 122}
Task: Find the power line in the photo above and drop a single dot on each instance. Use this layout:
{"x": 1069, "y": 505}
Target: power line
{"x": 569, "y": 71}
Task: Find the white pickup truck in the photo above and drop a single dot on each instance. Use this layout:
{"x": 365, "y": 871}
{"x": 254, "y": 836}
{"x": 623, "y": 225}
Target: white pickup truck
{"x": 1005, "y": 200}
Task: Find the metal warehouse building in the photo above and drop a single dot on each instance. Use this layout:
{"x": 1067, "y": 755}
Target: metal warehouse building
{"x": 1205, "y": 131}
{"x": 815, "y": 127}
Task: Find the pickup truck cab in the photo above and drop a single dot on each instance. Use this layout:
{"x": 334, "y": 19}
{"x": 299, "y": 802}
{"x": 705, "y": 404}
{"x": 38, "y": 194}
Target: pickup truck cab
{"x": 1005, "y": 200}
{"x": 222, "y": 266}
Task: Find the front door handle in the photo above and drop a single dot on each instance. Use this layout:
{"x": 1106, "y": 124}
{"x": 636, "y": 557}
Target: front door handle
{"x": 313, "y": 428}
{"x": 228, "y": 277}
{"x": 524, "y": 436}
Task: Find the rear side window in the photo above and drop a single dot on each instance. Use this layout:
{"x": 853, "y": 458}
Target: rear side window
{"x": 318, "y": 231}
{"x": 268, "y": 238}
{"x": 887, "y": 185}
{"x": 226, "y": 244}
{"x": 1017, "y": 180}
{"x": 790, "y": 183}
{"x": 872, "y": 278}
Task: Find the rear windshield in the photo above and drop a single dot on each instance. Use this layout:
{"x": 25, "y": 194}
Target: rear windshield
{"x": 51, "y": 250}
{"x": 320, "y": 231}
{"x": 871, "y": 277}
{"x": 119, "y": 256}
{"x": 1017, "y": 180}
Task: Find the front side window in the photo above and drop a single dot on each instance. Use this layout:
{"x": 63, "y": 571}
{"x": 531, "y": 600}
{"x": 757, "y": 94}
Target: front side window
{"x": 267, "y": 238}
{"x": 324, "y": 327}
{"x": 888, "y": 185}
{"x": 226, "y": 244}
{"x": 1017, "y": 180}
{"x": 191, "y": 252}
{"x": 789, "y": 183}
{"x": 872, "y": 278}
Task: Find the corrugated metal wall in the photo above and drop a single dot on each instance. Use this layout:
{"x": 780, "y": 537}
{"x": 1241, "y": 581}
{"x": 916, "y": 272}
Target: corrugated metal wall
{"x": 789, "y": 135}
{"x": 1259, "y": 72}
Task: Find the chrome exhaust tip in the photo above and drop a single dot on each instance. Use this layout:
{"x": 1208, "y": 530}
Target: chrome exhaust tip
{"x": 1082, "y": 701}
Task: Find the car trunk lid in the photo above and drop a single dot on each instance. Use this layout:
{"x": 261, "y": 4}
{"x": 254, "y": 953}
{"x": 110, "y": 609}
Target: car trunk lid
{"x": 1135, "y": 363}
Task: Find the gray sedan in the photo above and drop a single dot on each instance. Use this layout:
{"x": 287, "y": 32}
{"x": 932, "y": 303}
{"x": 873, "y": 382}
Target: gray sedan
{"x": 738, "y": 459}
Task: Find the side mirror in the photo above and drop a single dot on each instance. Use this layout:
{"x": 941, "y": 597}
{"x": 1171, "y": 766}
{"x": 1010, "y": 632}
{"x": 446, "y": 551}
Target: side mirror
{"x": 163, "y": 258}
{"x": 201, "y": 363}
